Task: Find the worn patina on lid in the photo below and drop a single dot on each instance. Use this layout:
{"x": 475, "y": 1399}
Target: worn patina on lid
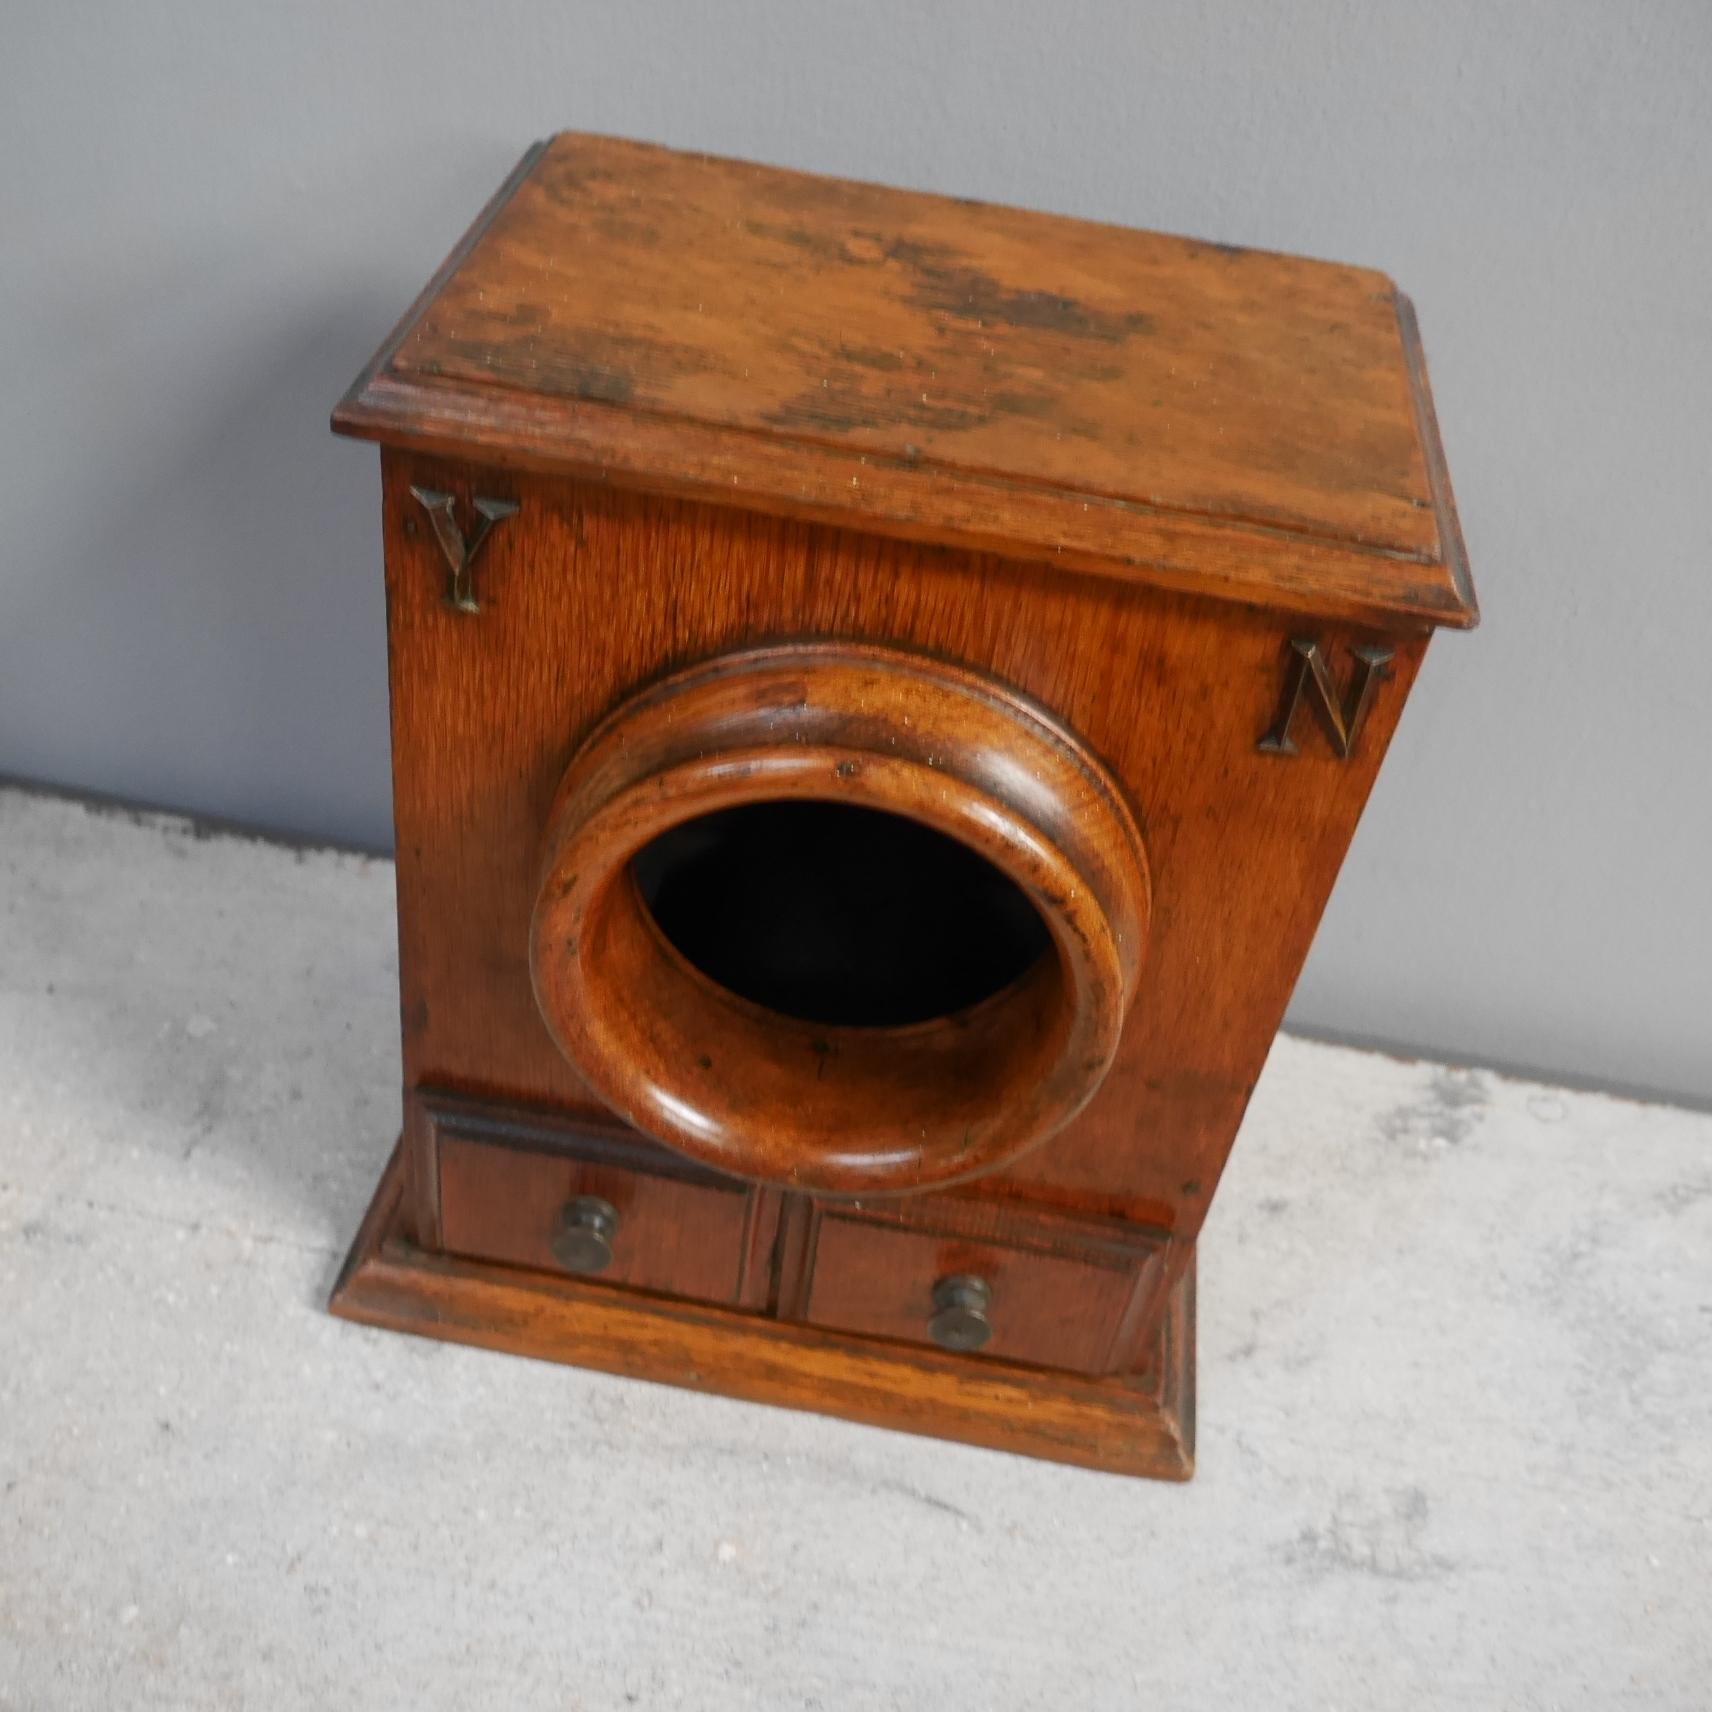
{"x": 1226, "y": 422}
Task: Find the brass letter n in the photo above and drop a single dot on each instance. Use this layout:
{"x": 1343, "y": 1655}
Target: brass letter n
{"x": 461, "y": 554}
{"x": 1341, "y": 715}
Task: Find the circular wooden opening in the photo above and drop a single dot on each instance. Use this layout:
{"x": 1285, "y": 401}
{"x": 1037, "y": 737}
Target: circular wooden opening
{"x": 835, "y": 913}
{"x": 839, "y": 918}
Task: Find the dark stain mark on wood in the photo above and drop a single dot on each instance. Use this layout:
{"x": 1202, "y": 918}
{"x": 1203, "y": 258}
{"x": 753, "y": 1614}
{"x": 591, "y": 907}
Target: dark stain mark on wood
{"x": 1037, "y": 404}
{"x": 842, "y": 406}
{"x": 872, "y": 357}
{"x": 846, "y": 404}
{"x": 603, "y": 386}
{"x": 588, "y": 363}
{"x": 823, "y": 246}
{"x": 947, "y": 285}
{"x": 622, "y": 229}
{"x": 975, "y": 296}
{"x": 574, "y": 183}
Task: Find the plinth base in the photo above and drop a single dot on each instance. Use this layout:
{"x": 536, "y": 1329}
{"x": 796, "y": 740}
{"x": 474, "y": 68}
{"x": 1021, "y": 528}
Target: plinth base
{"x": 1143, "y": 1425}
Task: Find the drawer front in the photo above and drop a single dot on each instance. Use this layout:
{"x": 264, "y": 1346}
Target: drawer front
{"x": 597, "y": 1218}
{"x": 1067, "y": 1305}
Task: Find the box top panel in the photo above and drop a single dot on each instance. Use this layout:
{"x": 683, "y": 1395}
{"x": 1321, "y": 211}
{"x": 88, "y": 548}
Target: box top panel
{"x": 1229, "y": 422}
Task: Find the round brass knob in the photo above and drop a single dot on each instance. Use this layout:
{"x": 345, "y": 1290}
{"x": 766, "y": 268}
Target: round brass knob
{"x": 583, "y": 1240}
{"x": 960, "y": 1305}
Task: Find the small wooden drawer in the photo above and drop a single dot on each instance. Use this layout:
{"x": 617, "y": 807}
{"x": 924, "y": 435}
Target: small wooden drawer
{"x": 606, "y": 1208}
{"x": 1059, "y": 1297}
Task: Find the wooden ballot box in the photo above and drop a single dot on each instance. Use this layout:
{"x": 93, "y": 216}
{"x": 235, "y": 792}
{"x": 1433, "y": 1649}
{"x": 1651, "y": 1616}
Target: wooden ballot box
{"x": 881, "y": 688}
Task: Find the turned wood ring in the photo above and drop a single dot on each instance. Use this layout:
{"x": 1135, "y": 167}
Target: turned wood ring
{"x": 836, "y": 1107}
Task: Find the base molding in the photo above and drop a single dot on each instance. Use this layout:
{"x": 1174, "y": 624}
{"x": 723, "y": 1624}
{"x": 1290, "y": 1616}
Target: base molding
{"x": 1142, "y": 1426}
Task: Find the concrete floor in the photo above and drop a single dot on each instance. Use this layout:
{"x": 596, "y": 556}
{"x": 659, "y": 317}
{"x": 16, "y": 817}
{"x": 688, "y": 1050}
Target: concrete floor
{"x": 1456, "y": 1341}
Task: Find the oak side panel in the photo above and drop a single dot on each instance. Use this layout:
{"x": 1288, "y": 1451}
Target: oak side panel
{"x": 587, "y": 592}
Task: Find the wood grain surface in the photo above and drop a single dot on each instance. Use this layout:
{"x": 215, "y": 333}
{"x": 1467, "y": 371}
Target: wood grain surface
{"x": 1142, "y": 1426}
{"x": 591, "y": 592}
{"x": 799, "y": 1100}
{"x": 1155, "y": 408}
{"x": 713, "y": 490}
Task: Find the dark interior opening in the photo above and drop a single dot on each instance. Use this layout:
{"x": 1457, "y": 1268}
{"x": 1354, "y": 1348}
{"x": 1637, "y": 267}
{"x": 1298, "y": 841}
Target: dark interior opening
{"x": 838, "y": 914}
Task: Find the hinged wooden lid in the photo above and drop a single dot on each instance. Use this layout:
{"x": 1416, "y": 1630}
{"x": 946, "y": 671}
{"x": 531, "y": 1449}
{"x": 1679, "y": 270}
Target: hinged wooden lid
{"x": 1229, "y": 422}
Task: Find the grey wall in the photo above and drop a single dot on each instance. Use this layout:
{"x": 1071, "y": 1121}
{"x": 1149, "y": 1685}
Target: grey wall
{"x": 210, "y": 214}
